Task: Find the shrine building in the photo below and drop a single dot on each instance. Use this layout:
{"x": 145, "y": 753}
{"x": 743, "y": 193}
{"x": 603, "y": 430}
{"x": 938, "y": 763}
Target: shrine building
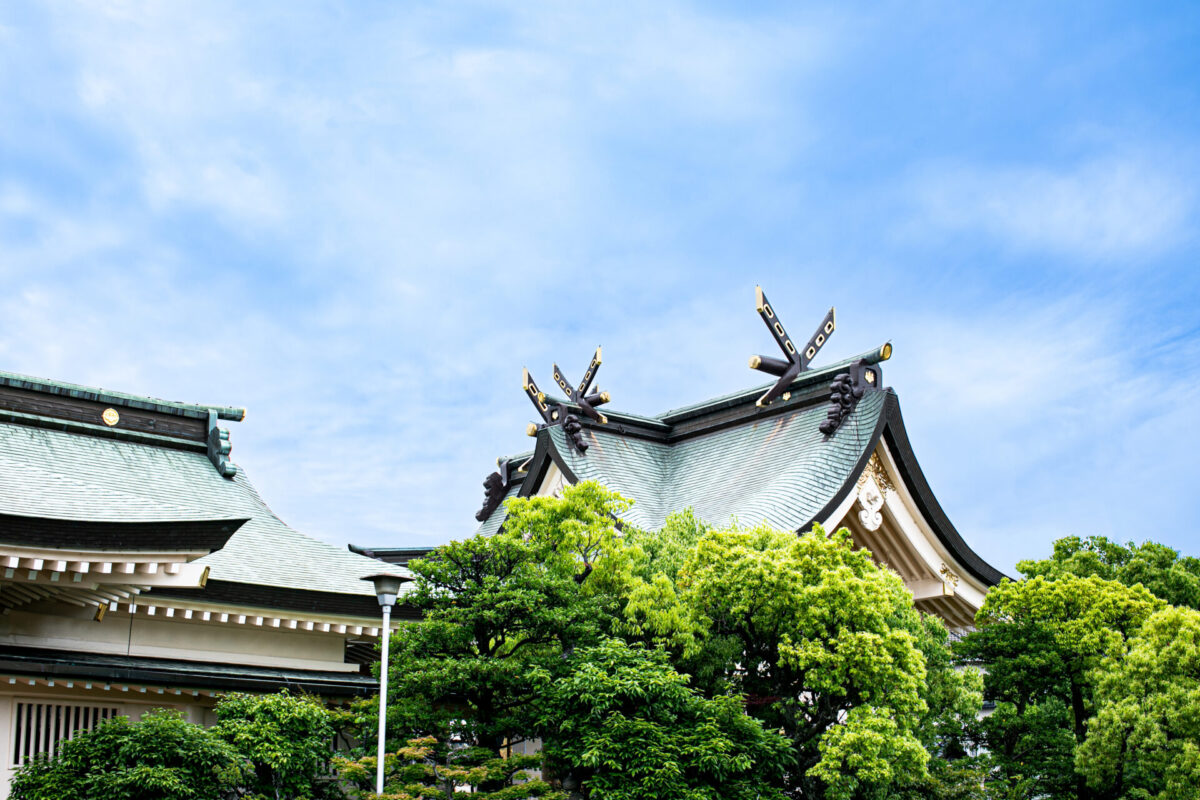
{"x": 818, "y": 445}
{"x": 141, "y": 569}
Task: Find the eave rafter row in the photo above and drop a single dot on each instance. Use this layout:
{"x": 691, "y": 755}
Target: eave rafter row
{"x": 174, "y": 611}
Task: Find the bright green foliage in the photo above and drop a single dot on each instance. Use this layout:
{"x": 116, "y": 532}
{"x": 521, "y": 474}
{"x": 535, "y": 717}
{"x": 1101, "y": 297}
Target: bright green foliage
{"x": 651, "y": 610}
{"x": 665, "y": 551}
{"x": 1160, "y": 569}
{"x": 288, "y": 741}
{"x": 825, "y": 645}
{"x": 160, "y": 758}
{"x": 425, "y": 770}
{"x": 495, "y": 608}
{"x": 626, "y": 725}
{"x": 1039, "y": 641}
{"x": 1144, "y": 741}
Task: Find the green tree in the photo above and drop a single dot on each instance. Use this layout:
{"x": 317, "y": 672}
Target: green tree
{"x": 1144, "y": 741}
{"x": 496, "y": 607}
{"x": 1159, "y": 568}
{"x": 953, "y": 696}
{"x": 650, "y": 609}
{"x": 825, "y": 645}
{"x": 625, "y": 726}
{"x": 424, "y": 769}
{"x": 287, "y": 740}
{"x": 162, "y": 757}
{"x": 1040, "y": 642}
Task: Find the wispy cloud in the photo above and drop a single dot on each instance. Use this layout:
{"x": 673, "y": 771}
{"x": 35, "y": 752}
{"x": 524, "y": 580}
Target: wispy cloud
{"x": 362, "y": 222}
{"x": 1104, "y": 208}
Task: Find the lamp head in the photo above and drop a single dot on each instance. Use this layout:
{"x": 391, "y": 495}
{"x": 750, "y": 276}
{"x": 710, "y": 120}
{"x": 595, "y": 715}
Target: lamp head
{"x": 387, "y": 586}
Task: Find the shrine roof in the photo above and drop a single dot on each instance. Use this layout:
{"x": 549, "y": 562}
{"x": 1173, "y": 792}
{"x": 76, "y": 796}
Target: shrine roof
{"x": 780, "y": 470}
{"x": 733, "y": 461}
{"x": 59, "y": 474}
{"x": 726, "y": 458}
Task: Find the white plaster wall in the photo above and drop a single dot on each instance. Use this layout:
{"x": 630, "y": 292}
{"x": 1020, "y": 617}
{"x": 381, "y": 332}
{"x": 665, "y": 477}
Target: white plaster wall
{"x": 194, "y": 709}
{"x": 68, "y": 628}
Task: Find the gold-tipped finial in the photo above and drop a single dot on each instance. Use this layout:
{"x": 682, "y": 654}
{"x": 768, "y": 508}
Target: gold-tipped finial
{"x": 794, "y": 360}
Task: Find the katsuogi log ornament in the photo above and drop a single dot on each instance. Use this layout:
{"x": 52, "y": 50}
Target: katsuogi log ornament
{"x": 796, "y": 360}
{"x": 581, "y": 396}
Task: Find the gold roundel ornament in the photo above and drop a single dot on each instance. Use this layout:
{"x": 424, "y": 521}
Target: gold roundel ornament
{"x": 110, "y": 417}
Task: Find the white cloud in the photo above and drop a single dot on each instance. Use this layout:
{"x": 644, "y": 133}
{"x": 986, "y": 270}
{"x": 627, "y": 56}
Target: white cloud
{"x": 1035, "y": 421}
{"x": 1106, "y": 208}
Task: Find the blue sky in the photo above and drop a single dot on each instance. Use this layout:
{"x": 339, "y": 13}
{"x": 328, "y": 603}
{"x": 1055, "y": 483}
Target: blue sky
{"x": 360, "y": 221}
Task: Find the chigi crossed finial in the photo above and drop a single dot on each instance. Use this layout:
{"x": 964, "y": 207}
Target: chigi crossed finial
{"x": 797, "y": 360}
{"x": 580, "y": 396}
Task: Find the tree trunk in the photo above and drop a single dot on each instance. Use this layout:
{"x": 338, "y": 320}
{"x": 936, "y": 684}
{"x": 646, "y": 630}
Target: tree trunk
{"x": 1081, "y": 787}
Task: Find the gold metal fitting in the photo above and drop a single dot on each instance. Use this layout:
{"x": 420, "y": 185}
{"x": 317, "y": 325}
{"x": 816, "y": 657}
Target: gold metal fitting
{"x": 755, "y": 361}
{"x": 531, "y": 429}
{"x": 605, "y": 397}
{"x": 885, "y": 352}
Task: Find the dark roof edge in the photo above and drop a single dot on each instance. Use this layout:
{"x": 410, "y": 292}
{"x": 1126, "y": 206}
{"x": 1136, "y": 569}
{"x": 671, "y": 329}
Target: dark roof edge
{"x": 544, "y": 455}
{"x": 890, "y": 428}
{"x": 393, "y": 555}
{"x": 910, "y": 472}
{"x": 45, "y": 663}
{"x": 202, "y": 535}
{"x": 192, "y": 410}
{"x": 810, "y": 388}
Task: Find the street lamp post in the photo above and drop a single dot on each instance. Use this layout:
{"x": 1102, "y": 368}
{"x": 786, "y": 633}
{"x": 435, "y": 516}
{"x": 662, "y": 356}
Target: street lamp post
{"x": 387, "y": 586}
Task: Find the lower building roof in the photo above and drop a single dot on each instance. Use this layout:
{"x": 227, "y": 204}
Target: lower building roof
{"x": 61, "y": 475}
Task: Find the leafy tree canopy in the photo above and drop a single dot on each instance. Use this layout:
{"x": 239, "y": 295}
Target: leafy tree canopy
{"x": 1040, "y": 642}
{"x": 286, "y": 739}
{"x": 264, "y": 747}
{"x": 496, "y": 606}
{"x": 1159, "y": 568}
{"x": 1145, "y": 739}
{"x": 626, "y": 724}
{"x": 163, "y": 757}
{"x": 825, "y": 645}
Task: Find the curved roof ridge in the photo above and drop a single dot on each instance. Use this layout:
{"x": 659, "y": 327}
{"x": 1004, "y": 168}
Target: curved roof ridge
{"x": 145, "y": 403}
{"x": 804, "y": 379}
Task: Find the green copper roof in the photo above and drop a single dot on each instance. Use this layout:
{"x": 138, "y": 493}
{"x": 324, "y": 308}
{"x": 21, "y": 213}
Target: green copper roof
{"x": 52, "y": 473}
{"x": 780, "y": 470}
{"x": 723, "y": 458}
